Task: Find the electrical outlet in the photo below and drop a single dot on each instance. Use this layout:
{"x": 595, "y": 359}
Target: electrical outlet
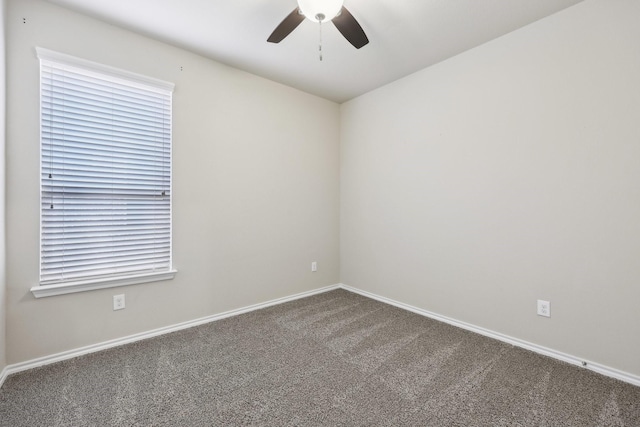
{"x": 314, "y": 266}
{"x": 118, "y": 302}
{"x": 544, "y": 308}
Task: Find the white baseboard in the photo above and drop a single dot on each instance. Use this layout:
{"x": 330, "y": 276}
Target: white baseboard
{"x": 70, "y": 354}
{"x": 596, "y": 367}
{"x": 46, "y": 360}
{"x": 3, "y": 376}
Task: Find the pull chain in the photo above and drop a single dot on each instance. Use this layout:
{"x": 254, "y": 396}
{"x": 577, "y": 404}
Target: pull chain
{"x": 320, "y": 45}
{"x": 320, "y": 17}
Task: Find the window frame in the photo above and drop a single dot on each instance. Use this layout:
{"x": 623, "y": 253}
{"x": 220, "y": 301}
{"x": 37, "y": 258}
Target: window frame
{"x": 100, "y": 282}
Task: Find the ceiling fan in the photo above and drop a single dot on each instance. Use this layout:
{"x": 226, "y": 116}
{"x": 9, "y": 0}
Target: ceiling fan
{"x": 321, "y": 11}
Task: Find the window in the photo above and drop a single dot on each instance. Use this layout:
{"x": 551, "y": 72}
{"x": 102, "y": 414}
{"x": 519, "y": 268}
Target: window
{"x": 105, "y": 193}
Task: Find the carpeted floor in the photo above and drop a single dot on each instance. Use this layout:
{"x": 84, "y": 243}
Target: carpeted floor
{"x": 335, "y": 359}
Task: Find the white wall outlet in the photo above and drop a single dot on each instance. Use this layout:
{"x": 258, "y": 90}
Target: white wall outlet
{"x": 118, "y": 302}
{"x": 544, "y": 308}
{"x": 314, "y": 266}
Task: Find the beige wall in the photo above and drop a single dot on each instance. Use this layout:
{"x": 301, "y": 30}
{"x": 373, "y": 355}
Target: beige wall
{"x": 507, "y": 174}
{"x": 255, "y": 191}
{"x": 3, "y": 360}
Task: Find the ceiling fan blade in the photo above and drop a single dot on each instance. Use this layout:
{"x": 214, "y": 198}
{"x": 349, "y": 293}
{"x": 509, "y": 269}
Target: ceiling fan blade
{"x": 287, "y": 25}
{"x": 350, "y": 29}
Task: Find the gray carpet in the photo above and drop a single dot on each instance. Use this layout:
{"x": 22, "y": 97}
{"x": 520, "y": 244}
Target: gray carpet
{"x": 335, "y": 359}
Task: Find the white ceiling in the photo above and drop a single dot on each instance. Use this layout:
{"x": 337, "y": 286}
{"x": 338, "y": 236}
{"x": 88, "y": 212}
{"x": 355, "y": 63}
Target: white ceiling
{"x": 405, "y": 35}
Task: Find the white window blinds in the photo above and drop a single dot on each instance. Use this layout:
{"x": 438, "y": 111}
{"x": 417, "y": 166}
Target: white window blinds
{"x": 105, "y": 172}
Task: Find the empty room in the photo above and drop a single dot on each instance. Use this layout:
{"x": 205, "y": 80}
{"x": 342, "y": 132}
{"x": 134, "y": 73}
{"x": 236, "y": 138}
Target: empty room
{"x": 320, "y": 213}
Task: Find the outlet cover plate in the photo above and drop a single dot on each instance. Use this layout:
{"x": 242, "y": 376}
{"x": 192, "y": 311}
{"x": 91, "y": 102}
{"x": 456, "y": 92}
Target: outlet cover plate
{"x": 118, "y": 302}
{"x": 544, "y": 308}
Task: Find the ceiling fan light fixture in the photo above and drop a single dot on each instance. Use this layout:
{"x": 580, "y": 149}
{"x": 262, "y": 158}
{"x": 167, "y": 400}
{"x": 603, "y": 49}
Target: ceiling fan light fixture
{"x": 320, "y": 10}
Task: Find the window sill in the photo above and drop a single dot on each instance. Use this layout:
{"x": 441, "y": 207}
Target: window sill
{"x": 89, "y": 285}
